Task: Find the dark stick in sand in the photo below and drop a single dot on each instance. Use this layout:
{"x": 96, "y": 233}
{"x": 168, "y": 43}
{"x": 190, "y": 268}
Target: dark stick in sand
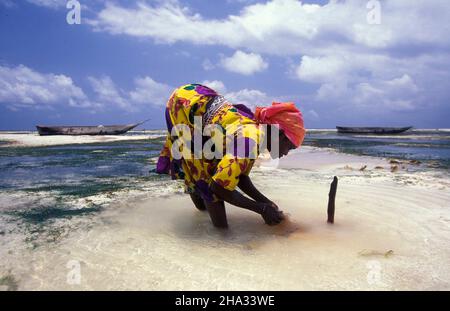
{"x": 331, "y": 200}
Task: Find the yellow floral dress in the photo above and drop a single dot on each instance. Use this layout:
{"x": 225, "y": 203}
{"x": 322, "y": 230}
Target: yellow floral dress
{"x": 237, "y": 126}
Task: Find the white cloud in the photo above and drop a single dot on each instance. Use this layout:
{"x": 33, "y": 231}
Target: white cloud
{"x": 284, "y": 26}
{"x": 250, "y": 98}
{"x": 107, "y": 93}
{"x": 244, "y": 63}
{"x": 336, "y": 48}
{"x": 321, "y": 69}
{"x": 49, "y": 3}
{"x": 146, "y": 92}
{"x": 312, "y": 114}
{"x": 396, "y": 95}
{"x": 208, "y": 65}
{"x": 23, "y": 87}
{"x": 376, "y": 96}
{"x": 216, "y": 85}
{"x": 150, "y": 92}
{"x": 348, "y": 60}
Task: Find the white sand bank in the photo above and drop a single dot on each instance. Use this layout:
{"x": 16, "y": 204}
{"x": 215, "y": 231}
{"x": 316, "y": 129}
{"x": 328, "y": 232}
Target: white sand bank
{"x": 392, "y": 232}
{"x": 34, "y": 140}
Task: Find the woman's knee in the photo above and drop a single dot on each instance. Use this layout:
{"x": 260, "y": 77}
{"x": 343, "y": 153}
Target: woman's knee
{"x": 198, "y": 202}
{"x": 217, "y": 214}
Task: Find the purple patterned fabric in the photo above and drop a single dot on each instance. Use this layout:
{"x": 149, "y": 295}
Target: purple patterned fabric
{"x": 245, "y": 111}
{"x": 203, "y": 90}
{"x": 168, "y": 120}
{"x": 163, "y": 165}
{"x": 202, "y": 189}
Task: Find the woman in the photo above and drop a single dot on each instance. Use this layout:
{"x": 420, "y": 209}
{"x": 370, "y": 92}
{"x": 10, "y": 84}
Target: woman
{"x": 211, "y": 181}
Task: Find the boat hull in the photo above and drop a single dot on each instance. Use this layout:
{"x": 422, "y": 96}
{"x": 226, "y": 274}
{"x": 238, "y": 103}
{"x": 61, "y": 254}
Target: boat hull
{"x": 85, "y": 130}
{"x": 372, "y": 130}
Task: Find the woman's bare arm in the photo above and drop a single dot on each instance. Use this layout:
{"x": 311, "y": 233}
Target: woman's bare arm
{"x": 236, "y": 198}
{"x": 271, "y": 215}
{"x": 246, "y": 185}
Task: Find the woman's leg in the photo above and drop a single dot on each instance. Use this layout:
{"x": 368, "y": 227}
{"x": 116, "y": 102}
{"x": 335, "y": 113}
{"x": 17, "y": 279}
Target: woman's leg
{"x": 198, "y": 202}
{"x": 217, "y": 213}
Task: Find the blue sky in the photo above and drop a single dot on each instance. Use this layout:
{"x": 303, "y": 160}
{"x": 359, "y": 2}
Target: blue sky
{"x": 342, "y": 62}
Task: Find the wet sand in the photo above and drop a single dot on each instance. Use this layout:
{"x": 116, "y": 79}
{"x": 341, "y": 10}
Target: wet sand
{"x": 392, "y": 232}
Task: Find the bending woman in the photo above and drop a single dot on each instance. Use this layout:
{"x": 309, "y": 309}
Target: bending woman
{"x": 212, "y": 180}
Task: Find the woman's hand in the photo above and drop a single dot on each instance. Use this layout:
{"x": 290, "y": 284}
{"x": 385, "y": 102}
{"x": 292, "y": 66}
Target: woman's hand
{"x": 271, "y": 214}
{"x": 267, "y": 209}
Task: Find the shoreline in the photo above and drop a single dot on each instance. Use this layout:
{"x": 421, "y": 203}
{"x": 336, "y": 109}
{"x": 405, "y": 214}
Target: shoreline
{"x": 34, "y": 140}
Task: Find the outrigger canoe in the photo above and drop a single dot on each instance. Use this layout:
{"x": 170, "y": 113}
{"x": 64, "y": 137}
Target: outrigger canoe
{"x": 372, "y": 130}
{"x": 86, "y": 130}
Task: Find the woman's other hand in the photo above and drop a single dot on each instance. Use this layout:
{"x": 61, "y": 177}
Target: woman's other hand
{"x": 271, "y": 214}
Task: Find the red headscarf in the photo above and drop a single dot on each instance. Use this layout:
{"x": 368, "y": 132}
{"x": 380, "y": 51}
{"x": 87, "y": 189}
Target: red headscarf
{"x": 288, "y": 118}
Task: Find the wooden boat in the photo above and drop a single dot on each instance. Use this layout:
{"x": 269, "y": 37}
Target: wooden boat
{"x": 86, "y": 130}
{"x": 372, "y": 130}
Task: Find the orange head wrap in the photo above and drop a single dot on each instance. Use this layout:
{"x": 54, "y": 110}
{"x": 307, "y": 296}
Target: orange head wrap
{"x": 287, "y": 117}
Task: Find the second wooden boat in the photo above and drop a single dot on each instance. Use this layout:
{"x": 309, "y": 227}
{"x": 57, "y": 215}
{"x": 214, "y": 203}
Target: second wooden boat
{"x": 372, "y": 130}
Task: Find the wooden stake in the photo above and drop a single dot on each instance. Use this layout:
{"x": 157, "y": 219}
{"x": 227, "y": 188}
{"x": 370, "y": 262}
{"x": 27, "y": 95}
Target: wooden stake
{"x": 331, "y": 200}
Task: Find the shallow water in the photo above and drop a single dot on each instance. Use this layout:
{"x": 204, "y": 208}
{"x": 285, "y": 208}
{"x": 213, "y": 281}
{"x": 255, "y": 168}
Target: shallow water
{"x": 430, "y": 146}
{"x": 101, "y": 205}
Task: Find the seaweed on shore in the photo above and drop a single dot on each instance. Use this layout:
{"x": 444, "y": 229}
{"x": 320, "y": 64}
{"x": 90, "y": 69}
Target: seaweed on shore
{"x": 41, "y": 215}
{"x": 9, "y": 282}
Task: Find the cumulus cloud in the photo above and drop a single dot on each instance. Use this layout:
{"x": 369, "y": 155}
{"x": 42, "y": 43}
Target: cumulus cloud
{"x": 21, "y": 86}
{"x": 150, "y": 92}
{"x": 208, "y": 65}
{"x": 244, "y": 63}
{"x": 321, "y": 69}
{"x": 394, "y": 95}
{"x": 396, "y": 65}
{"x": 216, "y": 85}
{"x": 146, "y": 92}
{"x": 107, "y": 93}
{"x": 248, "y": 97}
{"x": 312, "y": 114}
{"x": 49, "y": 3}
{"x": 337, "y": 49}
{"x": 398, "y": 94}
{"x": 284, "y": 26}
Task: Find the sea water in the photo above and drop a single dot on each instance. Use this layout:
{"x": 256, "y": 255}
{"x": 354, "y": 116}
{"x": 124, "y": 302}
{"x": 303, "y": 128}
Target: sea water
{"x": 49, "y": 192}
{"x": 50, "y": 181}
{"x": 429, "y": 146}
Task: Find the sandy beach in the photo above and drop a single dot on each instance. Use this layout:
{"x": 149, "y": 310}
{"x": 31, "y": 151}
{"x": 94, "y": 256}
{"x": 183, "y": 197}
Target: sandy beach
{"x": 34, "y": 140}
{"x": 391, "y": 233}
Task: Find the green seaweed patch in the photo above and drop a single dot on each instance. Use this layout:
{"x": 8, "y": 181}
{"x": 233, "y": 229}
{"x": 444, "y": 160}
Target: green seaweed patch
{"x": 9, "y": 282}
{"x": 80, "y": 190}
{"x": 41, "y": 215}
